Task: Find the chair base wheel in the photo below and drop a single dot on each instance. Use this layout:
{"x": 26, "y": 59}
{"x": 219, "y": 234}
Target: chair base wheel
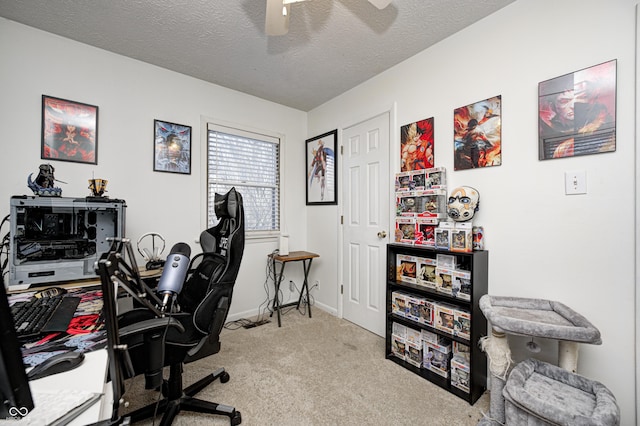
{"x": 224, "y": 378}
{"x": 236, "y": 419}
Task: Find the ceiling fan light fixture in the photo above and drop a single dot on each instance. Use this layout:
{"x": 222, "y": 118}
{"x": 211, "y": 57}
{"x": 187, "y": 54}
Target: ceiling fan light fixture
{"x": 380, "y": 4}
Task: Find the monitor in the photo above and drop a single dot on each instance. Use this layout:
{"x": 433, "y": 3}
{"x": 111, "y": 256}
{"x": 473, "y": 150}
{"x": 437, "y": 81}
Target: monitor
{"x": 15, "y": 392}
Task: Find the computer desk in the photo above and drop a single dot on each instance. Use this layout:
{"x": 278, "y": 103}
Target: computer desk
{"x": 91, "y": 376}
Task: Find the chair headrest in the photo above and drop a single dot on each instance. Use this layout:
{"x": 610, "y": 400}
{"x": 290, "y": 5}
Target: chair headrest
{"x": 226, "y": 205}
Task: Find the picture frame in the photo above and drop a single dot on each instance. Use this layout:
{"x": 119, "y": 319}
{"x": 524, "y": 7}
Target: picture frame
{"x": 69, "y": 131}
{"x": 577, "y": 113}
{"x": 477, "y": 137}
{"x": 320, "y": 168}
{"x": 171, "y": 147}
{"x": 417, "y": 145}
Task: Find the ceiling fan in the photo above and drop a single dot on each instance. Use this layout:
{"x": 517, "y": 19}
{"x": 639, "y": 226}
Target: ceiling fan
{"x": 277, "y": 21}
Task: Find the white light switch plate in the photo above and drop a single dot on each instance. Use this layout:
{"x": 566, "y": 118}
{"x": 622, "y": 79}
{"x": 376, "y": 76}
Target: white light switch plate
{"x": 575, "y": 182}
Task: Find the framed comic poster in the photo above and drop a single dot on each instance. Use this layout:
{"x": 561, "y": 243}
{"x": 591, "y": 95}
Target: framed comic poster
{"x": 321, "y": 163}
{"x": 172, "y": 147}
{"x": 69, "y": 131}
{"x": 577, "y": 113}
{"x": 417, "y": 145}
{"x": 477, "y": 138}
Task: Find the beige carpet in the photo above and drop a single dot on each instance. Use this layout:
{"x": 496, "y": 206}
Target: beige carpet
{"x": 316, "y": 371}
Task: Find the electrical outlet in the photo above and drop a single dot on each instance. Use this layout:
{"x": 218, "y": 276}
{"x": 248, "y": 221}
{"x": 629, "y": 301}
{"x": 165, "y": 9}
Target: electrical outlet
{"x": 292, "y": 286}
{"x": 317, "y": 284}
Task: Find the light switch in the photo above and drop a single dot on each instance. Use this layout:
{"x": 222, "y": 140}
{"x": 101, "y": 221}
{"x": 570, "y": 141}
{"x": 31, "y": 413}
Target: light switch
{"x": 575, "y": 182}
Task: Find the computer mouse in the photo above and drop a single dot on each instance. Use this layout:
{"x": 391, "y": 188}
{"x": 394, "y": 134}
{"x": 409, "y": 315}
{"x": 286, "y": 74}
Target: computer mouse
{"x": 58, "y": 363}
{"x": 50, "y": 292}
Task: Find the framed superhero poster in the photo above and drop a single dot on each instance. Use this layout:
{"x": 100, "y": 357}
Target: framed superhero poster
{"x": 321, "y": 163}
{"x": 477, "y": 137}
{"x": 577, "y": 113}
{"x": 69, "y": 131}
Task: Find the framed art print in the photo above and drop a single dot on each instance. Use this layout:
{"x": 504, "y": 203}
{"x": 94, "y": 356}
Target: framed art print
{"x": 477, "y": 136}
{"x": 577, "y": 113}
{"x": 172, "y": 147}
{"x": 417, "y": 145}
{"x": 69, "y": 131}
{"x": 321, "y": 163}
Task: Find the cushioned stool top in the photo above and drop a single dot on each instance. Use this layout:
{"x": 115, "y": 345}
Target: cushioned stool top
{"x": 560, "y": 396}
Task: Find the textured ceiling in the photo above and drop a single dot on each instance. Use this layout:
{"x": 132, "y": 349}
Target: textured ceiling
{"x": 332, "y": 45}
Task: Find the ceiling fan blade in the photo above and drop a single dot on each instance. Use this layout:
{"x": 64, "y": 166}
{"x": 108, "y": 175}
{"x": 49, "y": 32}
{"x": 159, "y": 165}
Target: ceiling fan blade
{"x": 276, "y": 23}
{"x": 380, "y": 4}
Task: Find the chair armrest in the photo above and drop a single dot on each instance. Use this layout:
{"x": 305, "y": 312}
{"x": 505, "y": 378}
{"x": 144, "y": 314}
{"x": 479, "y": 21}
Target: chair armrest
{"x": 150, "y": 325}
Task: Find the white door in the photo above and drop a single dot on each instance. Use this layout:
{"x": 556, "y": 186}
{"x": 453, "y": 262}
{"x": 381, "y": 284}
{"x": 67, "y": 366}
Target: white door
{"x": 366, "y": 231}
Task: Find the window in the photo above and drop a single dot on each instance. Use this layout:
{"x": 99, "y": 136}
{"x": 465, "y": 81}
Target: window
{"x": 250, "y": 162}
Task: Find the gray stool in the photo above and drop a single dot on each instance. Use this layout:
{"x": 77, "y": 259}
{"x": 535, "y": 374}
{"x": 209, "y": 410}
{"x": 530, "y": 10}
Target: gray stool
{"x": 537, "y": 393}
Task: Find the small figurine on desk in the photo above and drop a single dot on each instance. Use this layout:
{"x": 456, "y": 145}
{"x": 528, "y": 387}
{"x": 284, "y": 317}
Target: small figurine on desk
{"x": 98, "y": 187}
{"x": 43, "y": 184}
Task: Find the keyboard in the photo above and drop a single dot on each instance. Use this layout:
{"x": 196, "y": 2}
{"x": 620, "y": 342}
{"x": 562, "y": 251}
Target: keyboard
{"x": 57, "y": 408}
{"x": 38, "y": 316}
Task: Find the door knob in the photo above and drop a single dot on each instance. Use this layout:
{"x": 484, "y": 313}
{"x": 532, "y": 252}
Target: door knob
{"x": 382, "y": 234}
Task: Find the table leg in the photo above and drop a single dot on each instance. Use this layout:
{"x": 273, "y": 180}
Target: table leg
{"x": 277, "y": 279}
{"x": 305, "y": 286}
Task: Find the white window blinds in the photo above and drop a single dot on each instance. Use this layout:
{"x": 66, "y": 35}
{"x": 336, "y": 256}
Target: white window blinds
{"x": 250, "y": 162}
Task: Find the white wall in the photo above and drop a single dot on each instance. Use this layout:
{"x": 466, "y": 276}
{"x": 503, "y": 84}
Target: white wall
{"x": 130, "y": 95}
{"x": 579, "y": 249}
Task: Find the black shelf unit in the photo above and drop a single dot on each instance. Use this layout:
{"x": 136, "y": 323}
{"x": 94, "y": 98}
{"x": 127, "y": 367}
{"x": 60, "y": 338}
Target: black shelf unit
{"x": 478, "y": 263}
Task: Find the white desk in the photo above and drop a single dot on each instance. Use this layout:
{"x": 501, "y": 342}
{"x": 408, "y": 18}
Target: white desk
{"x": 91, "y": 376}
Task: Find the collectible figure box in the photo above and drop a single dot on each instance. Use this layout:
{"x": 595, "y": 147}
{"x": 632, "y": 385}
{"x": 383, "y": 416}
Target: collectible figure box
{"x": 407, "y": 204}
{"x": 436, "y": 339}
{"x": 443, "y": 235}
{"x": 414, "y": 304}
{"x": 436, "y": 358}
{"x": 462, "y": 323}
{"x": 444, "y": 318}
{"x": 403, "y": 182}
{"x": 460, "y": 375}
{"x": 462, "y": 238}
{"x": 405, "y": 230}
{"x": 418, "y": 179}
{"x": 462, "y": 284}
{"x": 426, "y": 272}
{"x": 406, "y": 267}
{"x": 436, "y": 178}
{"x": 399, "y": 303}
{"x": 444, "y": 280}
{"x": 413, "y": 336}
{"x": 461, "y": 352}
{"x": 399, "y": 330}
{"x": 413, "y": 353}
{"x": 478, "y": 237}
{"x": 427, "y": 308}
{"x": 431, "y": 203}
{"x": 426, "y": 231}
{"x": 398, "y": 345}
{"x": 446, "y": 261}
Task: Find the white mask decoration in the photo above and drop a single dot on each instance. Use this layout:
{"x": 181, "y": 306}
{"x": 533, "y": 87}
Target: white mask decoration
{"x": 463, "y": 203}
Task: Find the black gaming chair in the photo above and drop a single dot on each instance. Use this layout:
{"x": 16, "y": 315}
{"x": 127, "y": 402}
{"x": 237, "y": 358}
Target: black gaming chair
{"x": 202, "y": 309}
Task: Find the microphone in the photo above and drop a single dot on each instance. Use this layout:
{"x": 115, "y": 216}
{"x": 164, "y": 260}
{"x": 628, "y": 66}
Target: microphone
{"x": 175, "y": 271}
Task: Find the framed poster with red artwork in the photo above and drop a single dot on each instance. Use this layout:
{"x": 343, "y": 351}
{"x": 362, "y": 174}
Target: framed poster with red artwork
{"x": 417, "y": 145}
{"x": 69, "y": 131}
{"x": 477, "y": 135}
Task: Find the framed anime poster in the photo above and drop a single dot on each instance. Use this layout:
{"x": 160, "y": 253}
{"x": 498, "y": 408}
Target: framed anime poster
{"x": 577, "y": 113}
{"x": 69, "y": 131}
{"x": 321, "y": 163}
{"x": 477, "y": 136}
{"x": 417, "y": 145}
{"x": 172, "y": 147}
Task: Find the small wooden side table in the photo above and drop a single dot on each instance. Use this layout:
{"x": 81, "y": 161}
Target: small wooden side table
{"x": 295, "y": 256}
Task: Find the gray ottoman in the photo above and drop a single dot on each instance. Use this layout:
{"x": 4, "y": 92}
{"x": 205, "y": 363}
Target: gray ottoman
{"x": 538, "y": 393}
